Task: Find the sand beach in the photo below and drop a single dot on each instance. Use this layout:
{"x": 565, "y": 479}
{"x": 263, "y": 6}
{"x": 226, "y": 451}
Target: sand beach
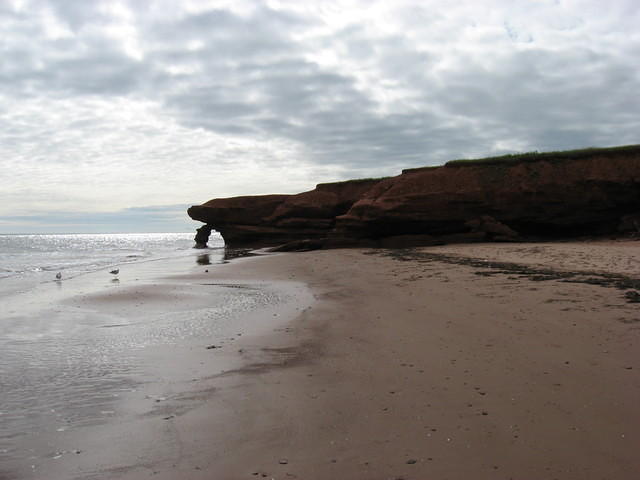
{"x": 485, "y": 361}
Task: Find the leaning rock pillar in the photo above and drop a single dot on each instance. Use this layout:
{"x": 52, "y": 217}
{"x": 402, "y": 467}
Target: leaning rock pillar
{"x": 202, "y": 236}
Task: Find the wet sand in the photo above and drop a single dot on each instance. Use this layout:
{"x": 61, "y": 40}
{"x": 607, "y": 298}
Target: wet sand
{"x": 442, "y": 362}
{"x": 108, "y": 362}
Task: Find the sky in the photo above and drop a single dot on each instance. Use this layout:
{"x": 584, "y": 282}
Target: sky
{"x": 118, "y": 115}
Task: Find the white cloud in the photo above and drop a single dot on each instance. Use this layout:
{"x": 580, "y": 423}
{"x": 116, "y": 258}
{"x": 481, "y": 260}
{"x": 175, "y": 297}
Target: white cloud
{"x": 106, "y": 105}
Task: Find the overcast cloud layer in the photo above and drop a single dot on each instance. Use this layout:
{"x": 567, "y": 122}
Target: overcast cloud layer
{"x": 108, "y": 105}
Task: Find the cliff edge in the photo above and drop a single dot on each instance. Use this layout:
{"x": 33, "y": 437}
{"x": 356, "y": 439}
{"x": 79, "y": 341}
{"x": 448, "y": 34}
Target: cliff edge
{"x": 514, "y": 197}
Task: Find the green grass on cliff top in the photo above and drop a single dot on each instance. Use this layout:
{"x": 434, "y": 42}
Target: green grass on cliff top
{"x": 515, "y": 158}
{"x": 549, "y": 156}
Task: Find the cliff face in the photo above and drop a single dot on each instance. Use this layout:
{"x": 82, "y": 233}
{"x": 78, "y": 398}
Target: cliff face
{"x": 591, "y": 192}
{"x": 275, "y": 219}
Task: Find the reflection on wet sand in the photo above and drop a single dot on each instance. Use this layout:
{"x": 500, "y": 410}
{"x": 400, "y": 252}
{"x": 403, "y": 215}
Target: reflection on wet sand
{"x": 229, "y": 254}
{"x": 81, "y": 363}
{"x": 204, "y": 259}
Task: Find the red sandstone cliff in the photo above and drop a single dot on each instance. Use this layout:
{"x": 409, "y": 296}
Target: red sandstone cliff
{"x": 276, "y": 219}
{"x": 588, "y": 192}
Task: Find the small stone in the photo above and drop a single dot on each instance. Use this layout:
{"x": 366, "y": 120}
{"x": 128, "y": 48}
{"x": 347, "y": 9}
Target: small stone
{"x": 283, "y": 461}
{"x": 210, "y": 347}
{"x": 412, "y": 461}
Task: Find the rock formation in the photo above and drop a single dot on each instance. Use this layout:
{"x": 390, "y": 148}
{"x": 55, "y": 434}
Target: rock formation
{"x": 202, "y": 236}
{"x": 269, "y": 220}
{"x": 529, "y": 196}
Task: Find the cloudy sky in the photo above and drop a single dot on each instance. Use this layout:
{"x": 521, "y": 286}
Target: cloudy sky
{"x": 117, "y": 115}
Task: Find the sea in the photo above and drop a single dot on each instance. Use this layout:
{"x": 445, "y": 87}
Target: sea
{"x": 63, "y": 367}
{"x": 32, "y": 259}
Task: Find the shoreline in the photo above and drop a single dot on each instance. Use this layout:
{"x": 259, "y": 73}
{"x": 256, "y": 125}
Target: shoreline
{"x": 410, "y": 368}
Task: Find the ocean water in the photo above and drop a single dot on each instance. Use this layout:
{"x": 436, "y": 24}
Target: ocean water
{"x": 65, "y": 363}
{"x": 28, "y": 260}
